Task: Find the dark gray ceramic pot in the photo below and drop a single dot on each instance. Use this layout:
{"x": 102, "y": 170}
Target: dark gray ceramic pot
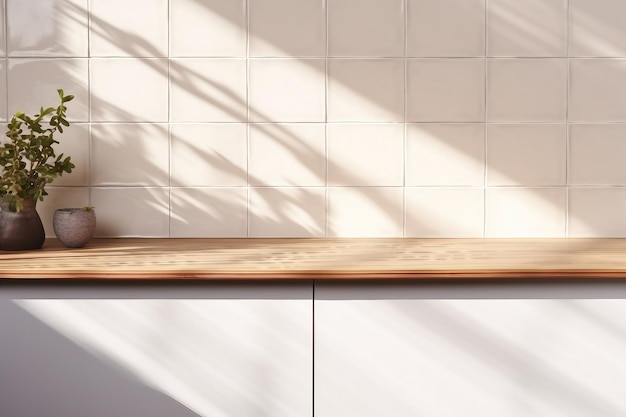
{"x": 74, "y": 227}
{"x": 21, "y": 230}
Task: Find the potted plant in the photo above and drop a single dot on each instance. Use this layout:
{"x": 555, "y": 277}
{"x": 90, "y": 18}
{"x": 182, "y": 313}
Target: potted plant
{"x": 75, "y": 226}
{"x": 28, "y": 163}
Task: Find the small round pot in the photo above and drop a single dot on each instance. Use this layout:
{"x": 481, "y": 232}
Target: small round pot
{"x": 74, "y": 227}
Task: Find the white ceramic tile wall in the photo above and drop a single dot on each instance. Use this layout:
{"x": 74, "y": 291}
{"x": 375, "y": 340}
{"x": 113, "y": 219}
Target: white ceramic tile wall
{"x": 406, "y": 118}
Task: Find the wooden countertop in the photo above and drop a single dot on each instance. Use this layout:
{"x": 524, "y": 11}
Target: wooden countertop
{"x": 320, "y": 259}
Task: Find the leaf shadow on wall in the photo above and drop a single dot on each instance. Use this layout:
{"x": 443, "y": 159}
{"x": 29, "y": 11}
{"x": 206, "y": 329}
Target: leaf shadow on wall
{"x": 282, "y": 207}
{"x": 282, "y": 199}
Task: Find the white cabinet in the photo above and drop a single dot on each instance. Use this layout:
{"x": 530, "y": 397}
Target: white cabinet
{"x": 447, "y": 352}
{"x": 185, "y": 351}
{"x": 410, "y": 350}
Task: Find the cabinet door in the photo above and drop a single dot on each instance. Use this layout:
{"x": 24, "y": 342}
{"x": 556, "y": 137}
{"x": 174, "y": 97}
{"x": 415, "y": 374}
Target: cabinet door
{"x": 230, "y": 351}
{"x": 449, "y": 352}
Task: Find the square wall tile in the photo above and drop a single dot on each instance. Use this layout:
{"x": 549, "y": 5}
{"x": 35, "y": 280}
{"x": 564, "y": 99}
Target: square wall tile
{"x": 365, "y": 212}
{"x": 287, "y": 90}
{"x": 596, "y": 154}
{"x": 74, "y": 142}
{"x": 204, "y": 28}
{"x": 353, "y": 97}
{"x": 208, "y": 90}
{"x": 51, "y": 74}
{"x": 445, "y": 154}
{"x": 597, "y": 28}
{"x": 137, "y": 28}
{"x": 597, "y": 90}
{"x": 365, "y": 155}
{"x": 366, "y": 28}
{"x": 60, "y": 197}
{"x": 446, "y": 28}
{"x": 131, "y": 212}
{"x": 287, "y": 28}
{"x": 525, "y": 212}
{"x": 209, "y": 155}
{"x": 209, "y": 212}
{"x": 129, "y": 154}
{"x": 3, "y": 91}
{"x": 529, "y": 154}
{"x": 444, "y": 212}
{"x": 47, "y": 28}
{"x": 597, "y": 212}
{"x": 3, "y": 43}
{"x": 526, "y": 90}
{"x": 287, "y": 154}
{"x": 446, "y": 90}
{"x": 129, "y": 90}
{"x": 529, "y": 28}
{"x": 287, "y": 212}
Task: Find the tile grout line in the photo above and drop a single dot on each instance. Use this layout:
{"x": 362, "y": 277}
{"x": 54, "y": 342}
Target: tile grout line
{"x": 567, "y": 111}
{"x": 248, "y": 189}
{"x": 89, "y": 106}
{"x": 405, "y": 124}
{"x": 169, "y": 117}
{"x": 485, "y": 109}
{"x": 326, "y": 124}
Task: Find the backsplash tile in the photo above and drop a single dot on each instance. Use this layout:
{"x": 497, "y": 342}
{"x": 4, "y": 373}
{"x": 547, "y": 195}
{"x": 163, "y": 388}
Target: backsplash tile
{"x": 446, "y": 28}
{"x": 597, "y": 90}
{"x": 597, "y": 212}
{"x": 526, "y": 90}
{"x": 287, "y": 28}
{"x": 70, "y": 74}
{"x": 596, "y": 154}
{"x": 445, "y": 212}
{"x": 129, "y": 90}
{"x": 200, "y": 212}
{"x": 365, "y": 212}
{"x": 445, "y": 90}
{"x": 365, "y": 155}
{"x": 287, "y": 154}
{"x": 287, "y": 212}
{"x": 3, "y": 21}
{"x": 597, "y": 29}
{"x": 343, "y": 118}
{"x": 353, "y": 97}
{"x": 366, "y": 28}
{"x": 445, "y": 154}
{"x": 286, "y": 90}
{"x": 137, "y": 28}
{"x": 131, "y": 211}
{"x": 528, "y": 155}
{"x": 207, "y": 90}
{"x": 207, "y": 28}
{"x": 525, "y": 212}
{"x": 45, "y": 28}
{"x": 529, "y": 28}
{"x": 3, "y": 90}
{"x": 208, "y": 155}
{"x": 129, "y": 154}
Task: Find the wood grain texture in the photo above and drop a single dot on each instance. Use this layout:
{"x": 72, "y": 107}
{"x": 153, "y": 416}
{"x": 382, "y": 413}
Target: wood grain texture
{"x": 320, "y": 259}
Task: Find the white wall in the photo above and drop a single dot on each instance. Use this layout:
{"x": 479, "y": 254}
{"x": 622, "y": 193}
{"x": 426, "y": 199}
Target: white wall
{"x": 416, "y": 118}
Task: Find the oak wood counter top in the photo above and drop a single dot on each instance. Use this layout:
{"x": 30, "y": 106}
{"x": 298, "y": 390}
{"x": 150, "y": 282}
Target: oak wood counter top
{"x": 319, "y": 259}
